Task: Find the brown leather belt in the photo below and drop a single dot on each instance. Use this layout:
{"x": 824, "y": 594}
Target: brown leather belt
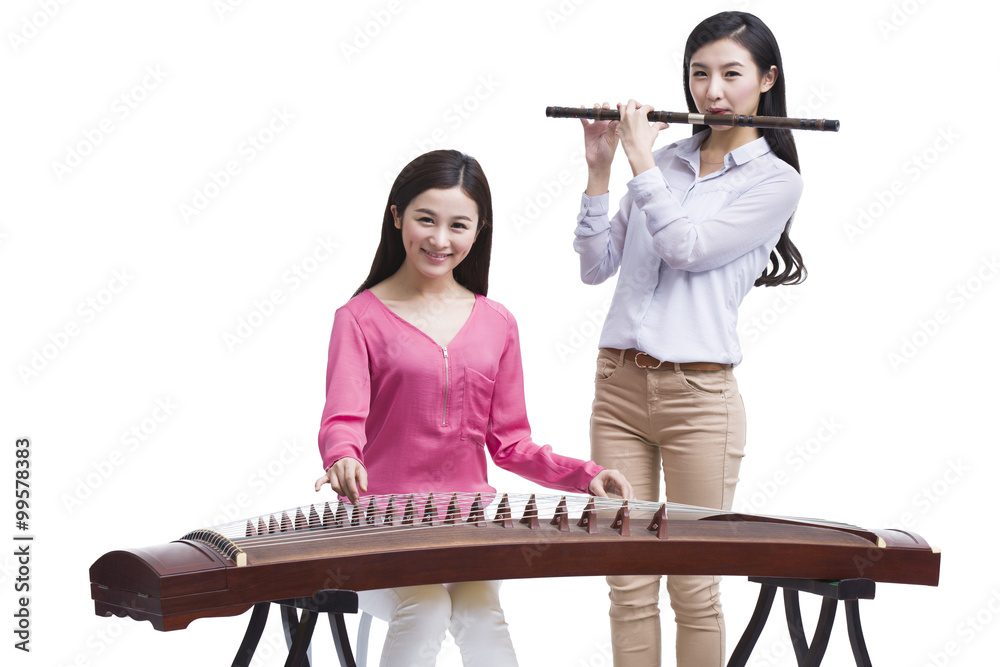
{"x": 643, "y": 360}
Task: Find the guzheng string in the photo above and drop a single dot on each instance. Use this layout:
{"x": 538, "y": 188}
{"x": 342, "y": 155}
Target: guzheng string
{"x": 355, "y": 520}
{"x": 546, "y": 507}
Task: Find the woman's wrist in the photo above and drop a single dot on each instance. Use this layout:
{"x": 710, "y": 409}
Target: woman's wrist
{"x": 641, "y": 161}
{"x": 597, "y": 182}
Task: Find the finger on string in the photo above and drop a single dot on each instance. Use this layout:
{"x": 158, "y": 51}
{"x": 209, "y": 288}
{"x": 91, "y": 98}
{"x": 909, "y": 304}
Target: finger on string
{"x": 361, "y": 477}
{"x": 626, "y": 489}
{"x": 352, "y": 490}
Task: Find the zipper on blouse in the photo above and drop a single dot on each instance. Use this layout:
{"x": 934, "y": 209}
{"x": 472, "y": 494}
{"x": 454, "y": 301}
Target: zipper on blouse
{"x": 444, "y": 409}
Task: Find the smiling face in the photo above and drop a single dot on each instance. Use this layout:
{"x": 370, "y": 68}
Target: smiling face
{"x": 724, "y": 79}
{"x": 438, "y": 229}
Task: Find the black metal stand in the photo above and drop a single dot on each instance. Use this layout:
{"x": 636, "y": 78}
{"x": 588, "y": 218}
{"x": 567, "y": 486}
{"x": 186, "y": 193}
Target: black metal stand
{"x": 299, "y": 630}
{"x": 808, "y": 654}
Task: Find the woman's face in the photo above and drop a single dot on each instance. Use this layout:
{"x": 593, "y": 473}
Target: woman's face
{"x": 438, "y": 229}
{"x": 723, "y": 79}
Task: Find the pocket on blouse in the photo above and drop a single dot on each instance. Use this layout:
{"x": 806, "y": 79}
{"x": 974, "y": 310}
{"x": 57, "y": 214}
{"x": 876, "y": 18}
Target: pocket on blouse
{"x": 476, "y": 405}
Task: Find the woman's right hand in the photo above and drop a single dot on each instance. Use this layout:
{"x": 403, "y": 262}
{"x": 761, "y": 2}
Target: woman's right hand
{"x": 600, "y": 140}
{"x": 347, "y": 477}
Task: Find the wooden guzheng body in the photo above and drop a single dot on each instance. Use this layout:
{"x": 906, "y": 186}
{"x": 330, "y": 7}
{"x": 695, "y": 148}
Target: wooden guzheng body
{"x": 391, "y": 541}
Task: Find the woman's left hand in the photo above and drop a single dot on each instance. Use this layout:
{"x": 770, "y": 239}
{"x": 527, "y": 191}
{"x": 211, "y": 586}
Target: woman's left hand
{"x": 611, "y": 481}
{"x": 638, "y": 135}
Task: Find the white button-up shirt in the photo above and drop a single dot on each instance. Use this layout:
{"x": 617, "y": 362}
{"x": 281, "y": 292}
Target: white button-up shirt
{"x": 688, "y": 248}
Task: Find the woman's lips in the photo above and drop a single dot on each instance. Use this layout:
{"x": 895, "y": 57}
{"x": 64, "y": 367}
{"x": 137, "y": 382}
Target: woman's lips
{"x": 433, "y": 256}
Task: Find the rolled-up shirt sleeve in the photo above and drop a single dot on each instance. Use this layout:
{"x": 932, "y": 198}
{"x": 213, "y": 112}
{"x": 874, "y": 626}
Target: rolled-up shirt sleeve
{"x": 751, "y": 220}
{"x": 599, "y": 239}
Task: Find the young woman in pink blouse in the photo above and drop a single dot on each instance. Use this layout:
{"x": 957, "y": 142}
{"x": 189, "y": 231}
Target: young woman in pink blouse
{"x": 424, "y": 380}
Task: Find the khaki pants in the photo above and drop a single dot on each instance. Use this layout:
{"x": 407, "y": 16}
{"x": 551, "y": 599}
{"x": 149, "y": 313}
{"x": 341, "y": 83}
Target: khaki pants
{"x": 691, "y": 425}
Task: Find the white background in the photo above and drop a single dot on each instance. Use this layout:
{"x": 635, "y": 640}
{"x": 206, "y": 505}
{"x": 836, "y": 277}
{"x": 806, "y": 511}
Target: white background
{"x": 869, "y": 389}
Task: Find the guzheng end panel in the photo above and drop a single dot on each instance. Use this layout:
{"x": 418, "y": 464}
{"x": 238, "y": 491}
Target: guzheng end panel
{"x": 162, "y": 584}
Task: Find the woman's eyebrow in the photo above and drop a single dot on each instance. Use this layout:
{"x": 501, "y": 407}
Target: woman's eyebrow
{"x": 735, "y": 63}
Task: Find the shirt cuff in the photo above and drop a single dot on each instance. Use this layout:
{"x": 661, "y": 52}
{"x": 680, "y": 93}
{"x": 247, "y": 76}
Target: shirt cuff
{"x": 591, "y": 206}
{"x": 334, "y": 454}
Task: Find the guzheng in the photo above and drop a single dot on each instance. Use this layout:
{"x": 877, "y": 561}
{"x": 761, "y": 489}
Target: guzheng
{"x": 389, "y": 541}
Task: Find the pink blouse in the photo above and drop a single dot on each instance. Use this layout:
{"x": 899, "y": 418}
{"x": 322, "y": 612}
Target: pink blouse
{"x": 420, "y": 417}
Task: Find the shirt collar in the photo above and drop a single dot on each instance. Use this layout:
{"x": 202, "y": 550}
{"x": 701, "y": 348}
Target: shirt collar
{"x": 741, "y": 155}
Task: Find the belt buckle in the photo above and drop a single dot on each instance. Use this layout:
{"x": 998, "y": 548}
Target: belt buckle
{"x": 652, "y": 368}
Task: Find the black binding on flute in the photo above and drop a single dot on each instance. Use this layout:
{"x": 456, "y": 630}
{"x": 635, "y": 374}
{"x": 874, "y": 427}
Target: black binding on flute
{"x": 767, "y": 122}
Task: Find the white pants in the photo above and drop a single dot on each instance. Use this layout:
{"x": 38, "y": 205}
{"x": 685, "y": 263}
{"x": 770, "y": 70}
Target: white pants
{"x": 419, "y": 616}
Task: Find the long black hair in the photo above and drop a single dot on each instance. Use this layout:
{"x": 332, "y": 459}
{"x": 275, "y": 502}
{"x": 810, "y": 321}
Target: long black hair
{"x": 753, "y": 35}
{"x": 442, "y": 169}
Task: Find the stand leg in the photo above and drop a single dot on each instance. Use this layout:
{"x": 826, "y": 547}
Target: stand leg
{"x": 364, "y": 630}
{"x": 756, "y": 625}
{"x": 340, "y": 639}
{"x": 303, "y": 637}
{"x": 821, "y": 638}
{"x": 258, "y": 619}
{"x": 793, "y": 616}
{"x": 290, "y": 624}
{"x": 855, "y": 635}
{"x": 809, "y": 653}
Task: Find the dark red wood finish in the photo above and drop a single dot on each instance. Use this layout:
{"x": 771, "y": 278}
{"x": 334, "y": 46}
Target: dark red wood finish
{"x": 172, "y": 584}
